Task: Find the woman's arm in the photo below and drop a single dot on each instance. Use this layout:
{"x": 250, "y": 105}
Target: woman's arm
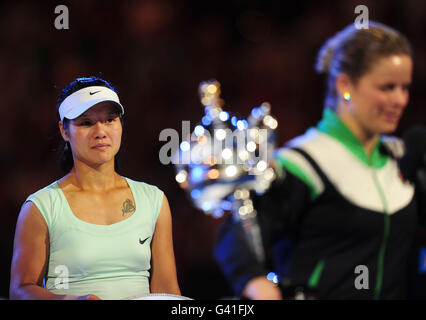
{"x": 279, "y": 210}
{"x": 30, "y": 257}
{"x": 163, "y": 267}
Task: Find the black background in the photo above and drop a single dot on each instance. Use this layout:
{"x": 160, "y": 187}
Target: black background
{"x": 155, "y": 53}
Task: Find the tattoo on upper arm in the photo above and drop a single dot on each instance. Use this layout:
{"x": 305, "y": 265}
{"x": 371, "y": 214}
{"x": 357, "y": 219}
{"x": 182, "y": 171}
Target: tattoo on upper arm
{"x": 128, "y": 207}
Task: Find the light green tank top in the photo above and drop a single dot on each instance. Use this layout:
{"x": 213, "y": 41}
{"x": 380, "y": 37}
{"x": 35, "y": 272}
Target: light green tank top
{"x": 110, "y": 261}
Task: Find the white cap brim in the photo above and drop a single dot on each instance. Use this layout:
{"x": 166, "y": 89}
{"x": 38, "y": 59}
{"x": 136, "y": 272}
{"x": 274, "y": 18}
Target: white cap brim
{"x": 78, "y": 102}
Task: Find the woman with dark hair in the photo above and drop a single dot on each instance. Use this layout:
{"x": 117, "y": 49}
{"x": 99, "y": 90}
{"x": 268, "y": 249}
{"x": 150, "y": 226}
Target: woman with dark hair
{"x": 93, "y": 234}
{"x": 64, "y": 153}
{"x": 339, "y": 194}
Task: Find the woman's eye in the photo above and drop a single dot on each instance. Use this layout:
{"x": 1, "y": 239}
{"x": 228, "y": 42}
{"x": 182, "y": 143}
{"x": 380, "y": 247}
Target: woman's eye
{"x": 387, "y": 87}
{"x": 390, "y": 87}
{"x": 84, "y": 123}
{"x": 112, "y": 119}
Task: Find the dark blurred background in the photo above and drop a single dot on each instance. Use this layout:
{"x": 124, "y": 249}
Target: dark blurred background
{"x": 155, "y": 53}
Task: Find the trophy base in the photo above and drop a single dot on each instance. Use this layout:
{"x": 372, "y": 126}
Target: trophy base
{"x": 160, "y": 296}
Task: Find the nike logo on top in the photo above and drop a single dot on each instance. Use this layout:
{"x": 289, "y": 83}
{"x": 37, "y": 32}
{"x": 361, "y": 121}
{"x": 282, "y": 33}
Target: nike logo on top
{"x": 92, "y": 93}
{"x": 143, "y": 241}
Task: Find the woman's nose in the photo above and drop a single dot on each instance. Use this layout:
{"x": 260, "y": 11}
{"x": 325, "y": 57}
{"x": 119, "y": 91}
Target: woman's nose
{"x": 401, "y": 97}
{"x": 99, "y": 130}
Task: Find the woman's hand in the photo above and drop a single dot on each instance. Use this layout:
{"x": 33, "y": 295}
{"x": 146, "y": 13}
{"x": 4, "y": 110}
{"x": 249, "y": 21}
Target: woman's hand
{"x": 86, "y": 297}
{"x": 163, "y": 266}
{"x": 260, "y": 288}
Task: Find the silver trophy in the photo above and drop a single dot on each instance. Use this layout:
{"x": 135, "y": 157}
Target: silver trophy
{"x": 225, "y": 158}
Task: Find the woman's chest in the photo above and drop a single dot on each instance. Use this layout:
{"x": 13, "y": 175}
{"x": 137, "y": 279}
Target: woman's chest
{"x": 105, "y": 209}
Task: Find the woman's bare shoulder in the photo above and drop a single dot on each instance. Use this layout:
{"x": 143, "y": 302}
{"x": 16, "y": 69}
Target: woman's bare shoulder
{"x": 31, "y": 215}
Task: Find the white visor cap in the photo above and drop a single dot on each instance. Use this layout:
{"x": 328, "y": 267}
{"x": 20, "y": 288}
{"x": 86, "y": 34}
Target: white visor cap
{"x": 80, "y": 101}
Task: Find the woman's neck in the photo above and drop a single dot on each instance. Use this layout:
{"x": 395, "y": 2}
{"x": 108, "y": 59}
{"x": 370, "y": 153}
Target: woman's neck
{"x": 94, "y": 179}
{"x": 367, "y": 138}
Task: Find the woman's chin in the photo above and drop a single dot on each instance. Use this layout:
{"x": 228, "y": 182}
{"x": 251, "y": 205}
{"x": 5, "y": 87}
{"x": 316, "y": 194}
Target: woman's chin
{"x": 388, "y": 127}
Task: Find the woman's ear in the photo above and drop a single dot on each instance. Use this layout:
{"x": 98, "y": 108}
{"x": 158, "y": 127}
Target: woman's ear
{"x": 64, "y": 133}
{"x": 343, "y": 84}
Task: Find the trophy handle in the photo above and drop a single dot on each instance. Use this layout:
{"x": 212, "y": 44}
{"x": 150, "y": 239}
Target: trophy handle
{"x": 244, "y": 212}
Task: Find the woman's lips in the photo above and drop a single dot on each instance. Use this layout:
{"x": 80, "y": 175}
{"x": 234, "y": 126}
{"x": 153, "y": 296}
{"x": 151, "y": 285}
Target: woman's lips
{"x": 101, "y": 147}
{"x": 392, "y": 117}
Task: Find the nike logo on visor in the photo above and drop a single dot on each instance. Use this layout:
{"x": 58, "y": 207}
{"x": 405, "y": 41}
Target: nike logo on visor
{"x": 92, "y": 93}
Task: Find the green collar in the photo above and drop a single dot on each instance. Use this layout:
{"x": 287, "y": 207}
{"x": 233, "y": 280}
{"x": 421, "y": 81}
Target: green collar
{"x": 332, "y": 125}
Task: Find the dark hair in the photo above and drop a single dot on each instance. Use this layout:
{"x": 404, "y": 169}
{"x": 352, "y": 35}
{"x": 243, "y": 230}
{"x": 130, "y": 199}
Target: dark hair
{"x": 352, "y": 51}
{"x": 64, "y": 153}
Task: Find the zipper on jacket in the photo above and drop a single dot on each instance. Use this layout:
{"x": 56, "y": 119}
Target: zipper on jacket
{"x": 316, "y": 275}
{"x": 381, "y": 256}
